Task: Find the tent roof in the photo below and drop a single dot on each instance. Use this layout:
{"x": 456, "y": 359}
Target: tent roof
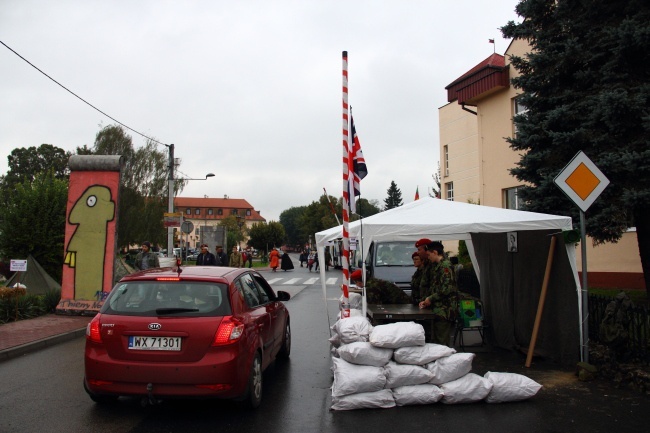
{"x": 443, "y": 219}
{"x": 35, "y": 278}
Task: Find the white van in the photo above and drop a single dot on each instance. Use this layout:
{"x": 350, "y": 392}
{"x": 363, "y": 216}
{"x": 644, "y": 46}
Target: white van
{"x": 391, "y": 261}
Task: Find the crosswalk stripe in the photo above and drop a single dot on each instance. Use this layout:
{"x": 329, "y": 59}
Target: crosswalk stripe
{"x": 311, "y": 280}
{"x": 292, "y": 281}
{"x": 331, "y": 281}
{"x": 274, "y": 280}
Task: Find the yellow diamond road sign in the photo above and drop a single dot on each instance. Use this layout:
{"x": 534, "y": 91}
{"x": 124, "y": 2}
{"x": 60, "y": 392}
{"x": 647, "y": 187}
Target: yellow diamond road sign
{"x": 582, "y": 181}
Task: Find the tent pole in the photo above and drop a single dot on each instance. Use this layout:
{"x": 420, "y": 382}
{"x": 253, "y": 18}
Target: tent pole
{"x": 542, "y": 299}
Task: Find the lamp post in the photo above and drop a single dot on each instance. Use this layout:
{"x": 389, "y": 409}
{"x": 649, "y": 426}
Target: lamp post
{"x": 240, "y": 223}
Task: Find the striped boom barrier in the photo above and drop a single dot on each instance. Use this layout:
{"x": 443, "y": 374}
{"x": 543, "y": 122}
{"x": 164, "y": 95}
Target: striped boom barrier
{"x": 346, "y": 198}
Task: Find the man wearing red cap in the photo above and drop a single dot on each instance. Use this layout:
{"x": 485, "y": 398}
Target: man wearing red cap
{"x": 356, "y": 277}
{"x": 421, "y": 244}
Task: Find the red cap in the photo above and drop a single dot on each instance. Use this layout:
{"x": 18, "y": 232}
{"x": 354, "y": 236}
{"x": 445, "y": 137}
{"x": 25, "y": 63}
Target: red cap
{"x": 356, "y": 275}
{"x": 423, "y": 241}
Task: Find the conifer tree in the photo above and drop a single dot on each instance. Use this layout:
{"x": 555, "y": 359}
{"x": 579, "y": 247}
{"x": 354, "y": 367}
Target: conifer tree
{"x": 394, "y": 198}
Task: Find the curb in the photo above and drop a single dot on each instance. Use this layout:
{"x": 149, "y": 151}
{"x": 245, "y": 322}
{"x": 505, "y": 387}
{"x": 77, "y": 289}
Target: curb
{"x": 23, "y": 349}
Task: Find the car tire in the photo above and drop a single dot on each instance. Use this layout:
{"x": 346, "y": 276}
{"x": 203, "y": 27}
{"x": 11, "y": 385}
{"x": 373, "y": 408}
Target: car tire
{"x": 100, "y": 399}
{"x": 253, "y": 397}
{"x": 285, "y": 350}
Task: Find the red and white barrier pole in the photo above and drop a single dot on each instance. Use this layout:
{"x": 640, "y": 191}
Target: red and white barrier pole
{"x": 347, "y": 172}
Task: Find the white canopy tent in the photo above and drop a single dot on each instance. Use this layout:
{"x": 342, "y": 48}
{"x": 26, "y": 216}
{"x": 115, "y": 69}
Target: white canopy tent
{"x": 510, "y": 282}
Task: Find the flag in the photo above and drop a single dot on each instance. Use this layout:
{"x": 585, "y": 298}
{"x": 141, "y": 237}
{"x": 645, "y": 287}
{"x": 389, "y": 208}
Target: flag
{"x": 491, "y": 41}
{"x": 417, "y": 193}
{"x": 358, "y": 161}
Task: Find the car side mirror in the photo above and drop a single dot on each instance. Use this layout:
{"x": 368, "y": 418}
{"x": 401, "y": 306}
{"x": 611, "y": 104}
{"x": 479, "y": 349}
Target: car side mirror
{"x": 283, "y": 296}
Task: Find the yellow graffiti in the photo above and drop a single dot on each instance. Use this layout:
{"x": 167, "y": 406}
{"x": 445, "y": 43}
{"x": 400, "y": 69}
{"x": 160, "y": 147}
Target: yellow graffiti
{"x": 87, "y": 247}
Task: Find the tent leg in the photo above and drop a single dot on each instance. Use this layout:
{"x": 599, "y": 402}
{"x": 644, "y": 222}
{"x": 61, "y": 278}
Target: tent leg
{"x": 542, "y": 299}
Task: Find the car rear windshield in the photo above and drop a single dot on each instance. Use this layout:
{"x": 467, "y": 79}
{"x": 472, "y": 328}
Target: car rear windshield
{"x": 158, "y": 298}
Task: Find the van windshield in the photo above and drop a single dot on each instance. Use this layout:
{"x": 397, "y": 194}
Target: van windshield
{"x": 394, "y": 253}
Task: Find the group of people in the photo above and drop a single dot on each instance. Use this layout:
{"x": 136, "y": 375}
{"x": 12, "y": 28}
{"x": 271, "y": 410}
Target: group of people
{"x": 283, "y": 261}
{"x": 147, "y": 259}
{"x": 310, "y": 258}
{"x": 433, "y": 286}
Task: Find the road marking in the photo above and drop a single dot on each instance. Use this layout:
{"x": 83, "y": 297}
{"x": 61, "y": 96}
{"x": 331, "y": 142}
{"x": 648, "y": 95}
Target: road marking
{"x": 331, "y": 281}
{"x": 312, "y": 280}
{"x": 292, "y": 281}
{"x": 274, "y": 280}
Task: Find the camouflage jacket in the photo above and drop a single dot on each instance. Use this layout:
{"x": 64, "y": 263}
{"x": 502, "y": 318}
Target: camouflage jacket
{"x": 438, "y": 285}
{"x": 415, "y": 285}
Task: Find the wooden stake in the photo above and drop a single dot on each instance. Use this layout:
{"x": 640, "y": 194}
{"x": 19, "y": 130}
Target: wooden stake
{"x": 540, "y": 306}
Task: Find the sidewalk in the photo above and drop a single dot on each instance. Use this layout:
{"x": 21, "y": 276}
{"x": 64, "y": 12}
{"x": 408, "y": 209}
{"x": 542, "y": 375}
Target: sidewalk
{"x": 24, "y": 336}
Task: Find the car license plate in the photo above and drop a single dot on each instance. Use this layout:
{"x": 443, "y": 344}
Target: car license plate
{"x": 154, "y": 343}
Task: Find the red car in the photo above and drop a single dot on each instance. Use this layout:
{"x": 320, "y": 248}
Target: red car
{"x": 196, "y": 331}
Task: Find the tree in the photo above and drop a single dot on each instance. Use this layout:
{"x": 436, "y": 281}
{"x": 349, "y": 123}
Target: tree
{"x": 365, "y": 208}
{"x": 437, "y": 187}
{"x": 290, "y": 220}
{"x": 264, "y": 236}
{"x": 24, "y": 164}
{"x": 143, "y": 188}
{"x": 33, "y": 222}
{"x": 234, "y": 235}
{"x": 394, "y": 198}
{"x": 586, "y": 86}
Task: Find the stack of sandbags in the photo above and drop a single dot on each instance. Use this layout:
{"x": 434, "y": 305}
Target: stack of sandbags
{"x": 389, "y": 365}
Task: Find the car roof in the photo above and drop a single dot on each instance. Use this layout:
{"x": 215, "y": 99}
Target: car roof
{"x": 206, "y": 273}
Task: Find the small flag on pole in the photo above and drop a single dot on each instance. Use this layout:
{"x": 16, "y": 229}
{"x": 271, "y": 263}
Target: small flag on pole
{"x": 417, "y": 193}
{"x": 491, "y": 41}
{"x": 359, "y": 162}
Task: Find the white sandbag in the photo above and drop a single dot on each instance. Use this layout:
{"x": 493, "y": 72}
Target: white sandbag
{"x": 421, "y": 355}
{"x": 367, "y": 400}
{"x": 353, "y": 313}
{"x": 354, "y": 300}
{"x": 364, "y": 353}
{"x": 405, "y": 374}
{"x": 468, "y": 389}
{"x": 335, "y": 339}
{"x": 398, "y": 334}
{"x": 352, "y": 329}
{"x": 510, "y": 387}
{"x": 354, "y": 379}
{"x": 450, "y": 367}
{"x": 417, "y": 394}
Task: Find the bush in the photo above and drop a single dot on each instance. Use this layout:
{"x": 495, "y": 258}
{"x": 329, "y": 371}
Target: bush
{"x": 50, "y": 300}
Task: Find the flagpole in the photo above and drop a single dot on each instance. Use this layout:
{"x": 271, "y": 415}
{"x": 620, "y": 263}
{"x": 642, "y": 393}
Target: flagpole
{"x": 345, "y": 308}
{"x": 332, "y": 207}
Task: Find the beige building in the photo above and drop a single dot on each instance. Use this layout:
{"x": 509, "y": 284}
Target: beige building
{"x": 475, "y": 159}
{"x": 208, "y": 212}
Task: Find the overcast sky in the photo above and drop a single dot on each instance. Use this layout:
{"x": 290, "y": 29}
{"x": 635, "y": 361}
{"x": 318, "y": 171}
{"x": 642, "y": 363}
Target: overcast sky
{"x": 248, "y": 90}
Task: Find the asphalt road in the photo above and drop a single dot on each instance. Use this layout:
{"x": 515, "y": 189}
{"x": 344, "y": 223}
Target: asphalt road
{"x": 42, "y": 391}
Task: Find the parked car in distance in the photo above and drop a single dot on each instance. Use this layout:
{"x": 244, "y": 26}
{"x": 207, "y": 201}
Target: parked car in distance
{"x": 192, "y": 257}
{"x": 206, "y": 332}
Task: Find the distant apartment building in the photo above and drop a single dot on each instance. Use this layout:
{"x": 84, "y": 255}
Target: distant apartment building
{"x": 208, "y": 212}
{"x": 475, "y": 159}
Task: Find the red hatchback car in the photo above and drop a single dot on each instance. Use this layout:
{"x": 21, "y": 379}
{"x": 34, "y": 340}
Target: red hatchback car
{"x": 199, "y": 331}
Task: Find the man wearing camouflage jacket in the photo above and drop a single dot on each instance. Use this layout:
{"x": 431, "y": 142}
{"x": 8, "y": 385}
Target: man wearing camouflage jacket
{"x": 439, "y": 293}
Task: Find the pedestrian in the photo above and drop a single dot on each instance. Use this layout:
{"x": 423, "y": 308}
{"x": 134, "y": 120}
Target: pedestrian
{"x": 328, "y": 259}
{"x": 421, "y": 244}
{"x": 316, "y": 265}
{"x": 303, "y": 257}
{"x": 221, "y": 256}
{"x": 439, "y": 293}
{"x": 274, "y": 259}
{"x": 286, "y": 263}
{"x": 249, "y": 256}
{"x": 146, "y": 259}
{"x": 206, "y": 258}
{"x": 235, "y": 258}
{"x": 310, "y": 260}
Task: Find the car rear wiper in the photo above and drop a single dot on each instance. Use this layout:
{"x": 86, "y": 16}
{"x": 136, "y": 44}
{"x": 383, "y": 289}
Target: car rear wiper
{"x": 175, "y": 310}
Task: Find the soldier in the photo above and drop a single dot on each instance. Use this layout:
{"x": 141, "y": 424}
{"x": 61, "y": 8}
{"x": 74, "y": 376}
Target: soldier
{"x": 421, "y": 244}
{"x": 439, "y": 292}
{"x": 420, "y": 261}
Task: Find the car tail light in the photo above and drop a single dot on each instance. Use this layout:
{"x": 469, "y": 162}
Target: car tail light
{"x": 92, "y": 330}
{"x": 230, "y": 330}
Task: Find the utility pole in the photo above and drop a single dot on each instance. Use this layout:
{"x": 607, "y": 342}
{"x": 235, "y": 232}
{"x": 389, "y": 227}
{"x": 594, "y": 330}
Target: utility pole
{"x": 170, "y": 203}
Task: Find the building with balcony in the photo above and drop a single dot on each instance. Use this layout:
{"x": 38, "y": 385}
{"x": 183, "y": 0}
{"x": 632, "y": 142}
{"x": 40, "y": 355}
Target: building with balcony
{"x": 475, "y": 159}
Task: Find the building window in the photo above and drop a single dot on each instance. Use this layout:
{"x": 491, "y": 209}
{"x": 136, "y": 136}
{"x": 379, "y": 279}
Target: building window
{"x": 517, "y": 108}
{"x": 446, "y": 167}
{"x": 197, "y": 211}
{"x": 449, "y": 187}
{"x": 233, "y": 211}
{"x": 219, "y": 211}
{"x": 210, "y": 211}
{"x": 188, "y": 211}
{"x": 196, "y": 231}
{"x": 511, "y": 198}
{"x": 248, "y": 212}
